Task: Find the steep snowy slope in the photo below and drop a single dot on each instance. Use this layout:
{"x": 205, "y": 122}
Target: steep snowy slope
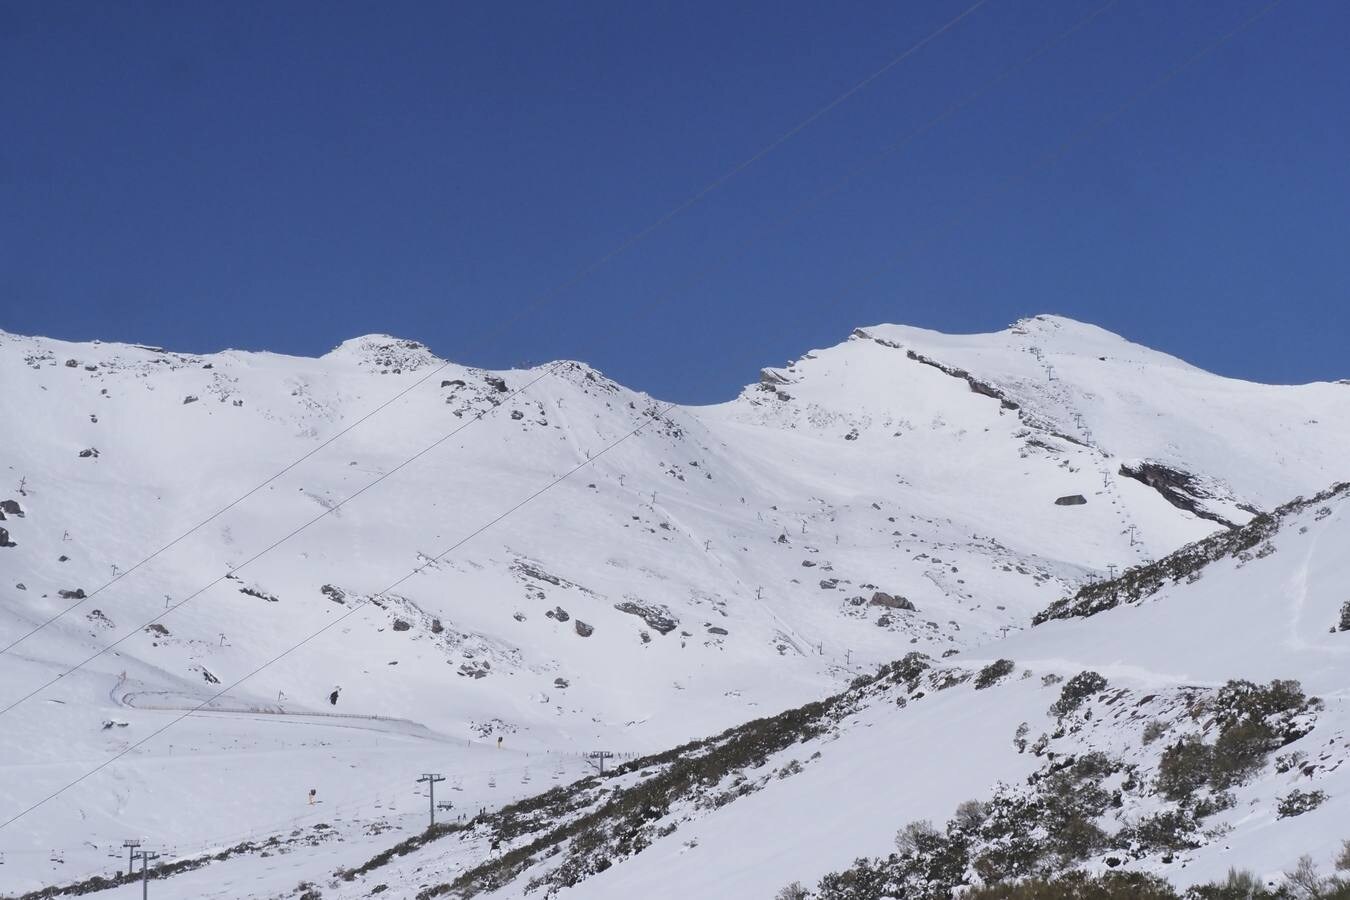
{"x": 723, "y": 563}
{"x": 1243, "y": 656}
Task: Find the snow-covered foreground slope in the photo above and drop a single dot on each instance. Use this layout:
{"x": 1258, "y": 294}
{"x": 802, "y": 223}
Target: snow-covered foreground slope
{"x": 1068, "y": 770}
{"x": 891, "y": 494}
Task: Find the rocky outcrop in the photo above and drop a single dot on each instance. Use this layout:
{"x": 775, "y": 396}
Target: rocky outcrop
{"x": 658, "y": 618}
{"x": 1181, "y": 489}
{"x": 890, "y": 601}
{"x": 1071, "y": 500}
{"x": 4, "y": 539}
{"x": 976, "y": 386}
{"x": 583, "y": 629}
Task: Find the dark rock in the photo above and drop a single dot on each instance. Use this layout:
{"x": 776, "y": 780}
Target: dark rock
{"x": 336, "y": 594}
{"x": 583, "y": 629}
{"x": 561, "y": 683}
{"x": 261, "y": 595}
{"x": 1071, "y": 500}
{"x": 63, "y": 558}
{"x": 657, "y": 617}
{"x": 189, "y": 399}
{"x": 12, "y": 507}
{"x": 77, "y": 594}
{"x": 1181, "y": 489}
{"x": 436, "y": 626}
{"x": 976, "y": 386}
{"x": 20, "y": 586}
{"x": 829, "y": 584}
{"x": 453, "y": 382}
{"x": 881, "y": 598}
{"x": 72, "y": 364}
{"x": 89, "y": 452}
{"x": 558, "y": 613}
{"x": 211, "y": 679}
{"x": 883, "y": 621}
{"x": 157, "y": 630}
{"x": 713, "y": 629}
{"x": 4, "y": 539}
{"x": 496, "y": 383}
{"x": 400, "y": 625}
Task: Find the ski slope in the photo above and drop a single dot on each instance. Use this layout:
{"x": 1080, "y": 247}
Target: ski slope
{"x": 726, "y": 561}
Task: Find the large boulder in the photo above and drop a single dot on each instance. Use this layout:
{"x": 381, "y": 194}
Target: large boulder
{"x": 583, "y": 629}
{"x": 1071, "y": 500}
{"x": 890, "y": 601}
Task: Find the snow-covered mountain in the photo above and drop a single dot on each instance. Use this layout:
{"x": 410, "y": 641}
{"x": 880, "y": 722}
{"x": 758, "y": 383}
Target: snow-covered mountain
{"x": 904, "y": 491}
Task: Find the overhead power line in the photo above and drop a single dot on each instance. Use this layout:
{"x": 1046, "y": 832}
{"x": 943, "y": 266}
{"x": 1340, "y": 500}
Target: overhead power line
{"x": 356, "y": 607}
{"x": 520, "y": 314}
{"x": 1078, "y": 137}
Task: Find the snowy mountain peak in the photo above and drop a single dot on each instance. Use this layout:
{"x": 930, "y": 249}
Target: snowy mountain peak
{"x": 384, "y": 353}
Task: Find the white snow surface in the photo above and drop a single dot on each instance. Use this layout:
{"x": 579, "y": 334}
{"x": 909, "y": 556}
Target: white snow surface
{"x": 755, "y": 533}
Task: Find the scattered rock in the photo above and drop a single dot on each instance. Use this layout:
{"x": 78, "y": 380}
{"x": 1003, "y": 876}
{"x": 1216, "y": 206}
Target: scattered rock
{"x": 714, "y": 629}
{"x": 561, "y": 683}
{"x": 211, "y": 679}
{"x": 583, "y": 629}
{"x": 11, "y": 507}
{"x": 890, "y": 601}
{"x": 829, "y": 584}
{"x": 72, "y": 364}
{"x": 496, "y": 383}
{"x": 77, "y": 594}
{"x": 157, "y": 630}
{"x": 4, "y": 539}
{"x": 89, "y": 452}
{"x": 452, "y": 382}
{"x": 658, "y": 618}
{"x": 517, "y": 415}
{"x": 400, "y": 625}
{"x": 1071, "y": 500}
{"x": 436, "y": 626}
{"x": 558, "y": 613}
{"x": 189, "y": 399}
{"x": 336, "y": 594}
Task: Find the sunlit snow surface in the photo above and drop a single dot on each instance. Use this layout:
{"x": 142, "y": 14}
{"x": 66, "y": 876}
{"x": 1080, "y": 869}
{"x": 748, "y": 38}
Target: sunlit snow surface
{"x": 857, "y": 469}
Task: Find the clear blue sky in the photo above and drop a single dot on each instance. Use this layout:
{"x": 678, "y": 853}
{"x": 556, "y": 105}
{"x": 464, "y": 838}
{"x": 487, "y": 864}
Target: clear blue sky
{"x": 285, "y": 175}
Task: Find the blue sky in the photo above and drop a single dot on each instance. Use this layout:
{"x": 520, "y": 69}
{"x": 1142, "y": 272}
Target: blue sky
{"x": 283, "y": 176}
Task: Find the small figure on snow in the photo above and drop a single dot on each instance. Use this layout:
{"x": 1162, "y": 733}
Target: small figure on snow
{"x": 499, "y": 742}
{"x": 313, "y": 792}
{"x": 332, "y": 698}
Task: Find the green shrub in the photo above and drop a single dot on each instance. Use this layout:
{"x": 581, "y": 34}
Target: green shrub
{"x": 1186, "y": 767}
{"x": 1080, "y": 886}
{"x": 993, "y": 672}
{"x": 1075, "y": 691}
{"x": 1297, "y": 802}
